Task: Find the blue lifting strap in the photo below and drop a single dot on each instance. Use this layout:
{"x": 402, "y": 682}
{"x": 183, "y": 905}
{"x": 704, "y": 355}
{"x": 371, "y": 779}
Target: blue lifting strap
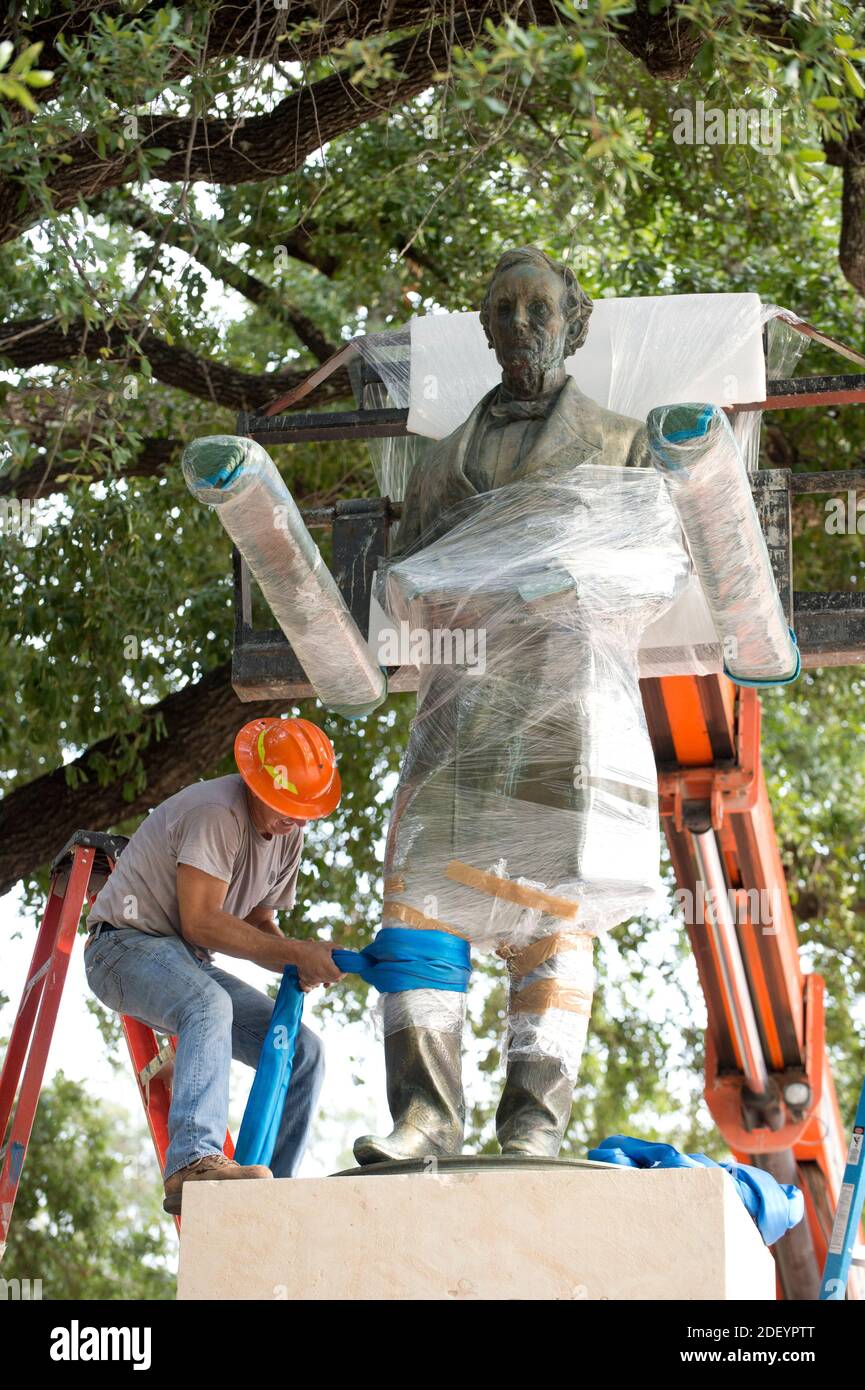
{"x": 397, "y": 959}
{"x": 775, "y": 1207}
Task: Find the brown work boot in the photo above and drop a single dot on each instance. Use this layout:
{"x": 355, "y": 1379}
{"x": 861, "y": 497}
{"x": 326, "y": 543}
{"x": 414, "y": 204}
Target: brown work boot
{"x": 208, "y": 1168}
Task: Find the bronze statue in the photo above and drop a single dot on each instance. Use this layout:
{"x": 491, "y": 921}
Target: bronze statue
{"x": 509, "y": 529}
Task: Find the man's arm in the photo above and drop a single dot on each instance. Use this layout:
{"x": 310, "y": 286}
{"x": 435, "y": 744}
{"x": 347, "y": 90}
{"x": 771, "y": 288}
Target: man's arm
{"x": 263, "y": 920}
{"x": 204, "y": 923}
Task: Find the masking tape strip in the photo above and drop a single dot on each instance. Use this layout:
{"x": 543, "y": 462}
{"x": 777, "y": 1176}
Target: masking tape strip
{"x": 413, "y": 917}
{"x": 537, "y": 998}
{"x": 514, "y": 892}
{"x": 522, "y": 962}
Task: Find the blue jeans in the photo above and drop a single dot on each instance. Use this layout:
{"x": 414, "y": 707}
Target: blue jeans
{"x": 215, "y": 1016}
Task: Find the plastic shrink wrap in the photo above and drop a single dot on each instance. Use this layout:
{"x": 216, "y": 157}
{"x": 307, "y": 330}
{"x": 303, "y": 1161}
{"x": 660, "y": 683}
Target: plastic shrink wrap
{"x": 527, "y": 800}
{"x": 240, "y": 480}
{"x": 640, "y": 353}
{"x": 526, "y": 814}
{"x": 696, "y": 453}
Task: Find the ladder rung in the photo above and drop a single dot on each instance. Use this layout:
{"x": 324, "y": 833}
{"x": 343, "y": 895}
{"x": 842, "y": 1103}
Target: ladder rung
{"x": 156, "y": 1064}
{"x": 34, "y": 979}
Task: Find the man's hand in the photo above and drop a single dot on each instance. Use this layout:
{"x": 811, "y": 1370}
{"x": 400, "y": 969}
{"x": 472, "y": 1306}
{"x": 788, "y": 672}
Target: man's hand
{"x": 314, "y": 961}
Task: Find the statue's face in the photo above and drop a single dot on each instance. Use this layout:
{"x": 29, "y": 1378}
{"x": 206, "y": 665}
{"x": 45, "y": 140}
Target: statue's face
{"x": 527, "y": 324}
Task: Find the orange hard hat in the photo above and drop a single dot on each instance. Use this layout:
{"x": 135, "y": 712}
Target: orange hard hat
{"x": 290, "y": 765}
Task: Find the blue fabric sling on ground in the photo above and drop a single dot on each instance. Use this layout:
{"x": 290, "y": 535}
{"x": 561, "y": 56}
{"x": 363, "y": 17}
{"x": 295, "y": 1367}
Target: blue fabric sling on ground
{"x": 397, "y": 959}
{"x": 776, "y": 1208}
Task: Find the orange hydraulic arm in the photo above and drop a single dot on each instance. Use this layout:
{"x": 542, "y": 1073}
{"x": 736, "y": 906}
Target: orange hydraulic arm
{"x": 768, "y": 1083}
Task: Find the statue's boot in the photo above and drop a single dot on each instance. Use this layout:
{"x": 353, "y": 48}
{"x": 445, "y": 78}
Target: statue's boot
{"x": 535, "y": 1106}
{"x": 551, "y": 985}
{"x": 425, "y": 1095}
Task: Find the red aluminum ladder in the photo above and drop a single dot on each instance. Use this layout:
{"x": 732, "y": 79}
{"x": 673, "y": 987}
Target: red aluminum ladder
{"x": 77, "y": 874}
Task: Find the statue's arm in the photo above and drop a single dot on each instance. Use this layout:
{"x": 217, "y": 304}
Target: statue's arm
{"x": 639, "y": 454}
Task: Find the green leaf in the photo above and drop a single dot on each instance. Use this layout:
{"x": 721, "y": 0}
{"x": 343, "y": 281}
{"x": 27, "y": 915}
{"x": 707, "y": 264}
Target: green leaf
{"x": 854, "y": 81}
{"x": 25, "y": 60}
{"x": 16, "y": 91}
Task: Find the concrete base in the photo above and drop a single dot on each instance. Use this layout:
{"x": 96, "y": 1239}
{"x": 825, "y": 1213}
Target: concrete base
{"x": 541, "y": 1233}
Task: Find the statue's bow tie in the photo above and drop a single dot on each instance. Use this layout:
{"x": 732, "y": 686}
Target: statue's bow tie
{"x": 505, "y": 412}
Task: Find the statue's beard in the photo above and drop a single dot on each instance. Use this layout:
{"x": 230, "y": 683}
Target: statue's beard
{"x": 524, "y": 367}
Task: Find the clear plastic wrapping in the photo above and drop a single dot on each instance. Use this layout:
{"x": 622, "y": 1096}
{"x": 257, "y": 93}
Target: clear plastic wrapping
{"x": 443, "y": 1010}
{"x": 696, "y": 453}
{"x": 381, "y": 378}
{"x": 239, "y": 479}
{"x": 527, "y": 800}
{"x": 551, "y": 989}
{"x": 638, "y": 353}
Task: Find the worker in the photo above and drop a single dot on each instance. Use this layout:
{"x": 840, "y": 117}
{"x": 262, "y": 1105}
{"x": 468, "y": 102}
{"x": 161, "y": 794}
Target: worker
{"x": 206, "y": 871}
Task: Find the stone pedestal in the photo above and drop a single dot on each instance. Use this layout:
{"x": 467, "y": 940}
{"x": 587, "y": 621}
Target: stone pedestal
{"x": 548, "y": 1232}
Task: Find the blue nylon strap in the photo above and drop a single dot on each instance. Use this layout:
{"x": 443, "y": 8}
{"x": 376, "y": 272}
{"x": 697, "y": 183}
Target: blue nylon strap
{"x": 776, "y": 1208}
{"x": 397, "y": 959}
{"x": 400, "y": 958}
{"x": 260, "y": 1125}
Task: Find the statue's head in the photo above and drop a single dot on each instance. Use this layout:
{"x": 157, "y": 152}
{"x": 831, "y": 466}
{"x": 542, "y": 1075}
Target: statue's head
{"x": 534, "y": 314}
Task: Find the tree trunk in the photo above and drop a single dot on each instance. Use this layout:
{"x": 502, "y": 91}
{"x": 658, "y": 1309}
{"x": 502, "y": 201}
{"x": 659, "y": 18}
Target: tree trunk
{"x": 200, "y": 722}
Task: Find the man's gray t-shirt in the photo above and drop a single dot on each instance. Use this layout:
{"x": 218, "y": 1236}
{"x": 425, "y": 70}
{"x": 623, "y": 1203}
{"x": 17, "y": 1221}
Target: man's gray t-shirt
{"x": 207, "y": 825}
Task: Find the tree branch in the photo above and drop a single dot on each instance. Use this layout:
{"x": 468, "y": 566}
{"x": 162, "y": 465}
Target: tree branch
{"x": 184, "y": 237}
{"x": 299, "y": 32}
{"x": 235, "y": 151}
{"x": 848, "y": 155}
{"x": 200, "y": 723}
{"x": 26, "y": 343}
{"x": 663, "y": 42}
{"x": 153, "y": 457}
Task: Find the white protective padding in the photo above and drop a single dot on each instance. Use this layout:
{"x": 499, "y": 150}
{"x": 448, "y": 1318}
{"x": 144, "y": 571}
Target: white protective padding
{"x": 696, "y": 453}
{"x": 240, "y": 480}
{"x": 527, "y": 801}
{"x": 639, "y": 353}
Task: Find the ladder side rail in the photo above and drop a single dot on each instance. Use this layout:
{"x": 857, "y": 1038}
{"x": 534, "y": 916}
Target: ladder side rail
{"x": 22, "y": 1028}
{"x": 43, "y": 1031}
